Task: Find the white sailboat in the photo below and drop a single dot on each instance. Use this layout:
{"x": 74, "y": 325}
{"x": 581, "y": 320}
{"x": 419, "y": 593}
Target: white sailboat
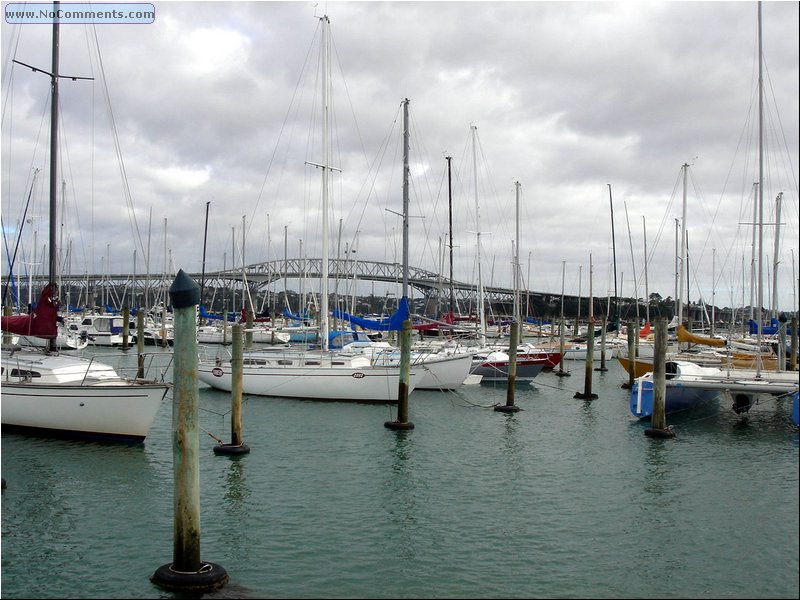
{"x": 53, "y": 395}
{"x": 320, "y": 374}
{"x": 441, "y": 368}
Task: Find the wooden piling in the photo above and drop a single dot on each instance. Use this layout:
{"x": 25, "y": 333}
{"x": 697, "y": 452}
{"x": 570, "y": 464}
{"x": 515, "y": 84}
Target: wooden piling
{"x": 587, "y": 382}
{"x": 512, "y": 372}
{"x": 402, "y": 421}
{"x": 237, "y": 445}
{"x": 187, "y": 572}
{"x": 658, "y": 417}
{"x": 631, "y": 355}
{"x": 793, "y": 355}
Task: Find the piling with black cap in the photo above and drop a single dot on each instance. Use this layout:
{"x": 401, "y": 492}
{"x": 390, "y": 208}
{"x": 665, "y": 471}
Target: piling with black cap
{"x": 187, "y": 572}
{"x": 402, "y": 421}
{"x": 512, "y": 372}
{"x": 658, "y": 416}
{"x": 237, "y": 445}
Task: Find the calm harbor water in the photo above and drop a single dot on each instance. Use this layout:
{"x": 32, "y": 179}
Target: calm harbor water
{"x": 564, "y": 499}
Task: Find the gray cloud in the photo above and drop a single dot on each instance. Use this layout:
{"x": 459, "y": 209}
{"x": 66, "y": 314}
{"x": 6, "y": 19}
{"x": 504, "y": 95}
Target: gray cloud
{"x": 567, "y": 98}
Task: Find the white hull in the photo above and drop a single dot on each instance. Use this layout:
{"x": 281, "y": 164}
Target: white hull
{"x": 103, "y": 411}
{"x": 441, "y": 369}
{"x": 445, "y": 372}
{"x": 311, "y": 377}
{"x": 75, "y": 397}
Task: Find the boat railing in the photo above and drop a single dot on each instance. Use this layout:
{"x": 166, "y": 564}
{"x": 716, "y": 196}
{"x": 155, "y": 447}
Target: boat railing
{"x": 147, "y": 366}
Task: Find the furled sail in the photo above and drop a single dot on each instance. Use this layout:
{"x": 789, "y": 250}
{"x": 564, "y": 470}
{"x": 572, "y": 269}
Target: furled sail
{"x": 690, "y": 338}
{"x": 392, "y": 323}
{"x": 41, "y": 322}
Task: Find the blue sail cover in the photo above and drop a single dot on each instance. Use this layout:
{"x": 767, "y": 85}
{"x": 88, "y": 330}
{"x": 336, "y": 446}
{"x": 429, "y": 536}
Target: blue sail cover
{"x": 208, "y": 315}
{"x": 289, "y": 315}
{"x": 393, "y": 323}
{"x": 771, "y": 329}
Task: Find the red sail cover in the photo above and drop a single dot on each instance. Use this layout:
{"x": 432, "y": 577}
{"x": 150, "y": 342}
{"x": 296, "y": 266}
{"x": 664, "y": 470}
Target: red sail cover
{"x": 41, "y": 322}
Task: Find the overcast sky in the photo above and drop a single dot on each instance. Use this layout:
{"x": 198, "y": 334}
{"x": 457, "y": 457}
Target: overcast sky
{"x": 219, "y": 102}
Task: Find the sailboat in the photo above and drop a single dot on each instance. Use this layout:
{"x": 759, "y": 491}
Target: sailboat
{"x": 688, "y": 384}
{"x": 492, "y": 363}
{"x": 313, "y": 374}
{"x": 54, "y": 395}
{"x": 441, "y": 368}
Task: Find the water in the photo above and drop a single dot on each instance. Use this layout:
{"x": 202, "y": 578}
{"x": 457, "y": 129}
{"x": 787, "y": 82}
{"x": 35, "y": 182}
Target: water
{"x": 565, "y": 498}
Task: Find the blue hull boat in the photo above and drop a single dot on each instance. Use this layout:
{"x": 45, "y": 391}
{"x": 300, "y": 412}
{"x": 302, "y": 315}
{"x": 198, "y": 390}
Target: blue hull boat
{"x": 678, "y": 397}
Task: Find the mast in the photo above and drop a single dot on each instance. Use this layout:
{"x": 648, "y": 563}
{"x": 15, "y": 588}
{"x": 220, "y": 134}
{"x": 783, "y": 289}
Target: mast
{"x": 775, "y": 260}
{"x": 760, "y": 191}
{"x": 682, "y": 274}
{"x": 481, "y": 316}
{"x": 614, "y": 252}
{"x": 205, "y": 238}
{"x": 646, "y": 287}
{"x": 405, "y": 198}
{"x": 326, "y": 167}
{"x": 52, "y": 265}
{"x": 633, "y": 263}
{"x": 449, "y": 160}
{"x": 517, "y": 309}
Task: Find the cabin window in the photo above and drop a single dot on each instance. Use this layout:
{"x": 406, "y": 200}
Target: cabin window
{"x": 284, "y": 361}
{"x": 312, "y": 362}
{"x": 25, "y": 373}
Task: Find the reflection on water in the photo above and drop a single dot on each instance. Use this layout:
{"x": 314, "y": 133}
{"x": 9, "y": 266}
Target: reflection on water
{"x": 401, "y": 496}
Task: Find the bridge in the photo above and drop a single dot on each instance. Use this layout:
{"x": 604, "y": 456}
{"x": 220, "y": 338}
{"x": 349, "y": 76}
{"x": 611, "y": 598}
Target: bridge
{"x": 257, "y": 278}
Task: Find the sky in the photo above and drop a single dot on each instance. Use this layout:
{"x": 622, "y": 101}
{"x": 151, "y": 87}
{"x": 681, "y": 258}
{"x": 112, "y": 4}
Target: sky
{"x": 592, "y": 107}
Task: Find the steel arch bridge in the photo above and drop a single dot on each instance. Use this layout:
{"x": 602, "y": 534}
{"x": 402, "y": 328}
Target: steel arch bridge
{"x": 258, "y": 276}
{"x": 431, "y": 285}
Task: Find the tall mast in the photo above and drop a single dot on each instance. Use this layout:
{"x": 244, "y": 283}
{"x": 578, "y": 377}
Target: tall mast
{"x": 325, "y": 164}
{"x": 682, "y": 274}
{"x": 52, "y": 265}
{"x": 760, "y": 190}
{"x": 205, "y": 239}
{"x": 405, "y": 198}
{"x": 517, "y": 309}
{"x": 776, "y": 251}
{"x": 326, "y": 167}
{"x": 614, "y": 251}
{"x": 646, "y": 287}
{"x": 481, "y": 316}
{"x": 450, "y": 215}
